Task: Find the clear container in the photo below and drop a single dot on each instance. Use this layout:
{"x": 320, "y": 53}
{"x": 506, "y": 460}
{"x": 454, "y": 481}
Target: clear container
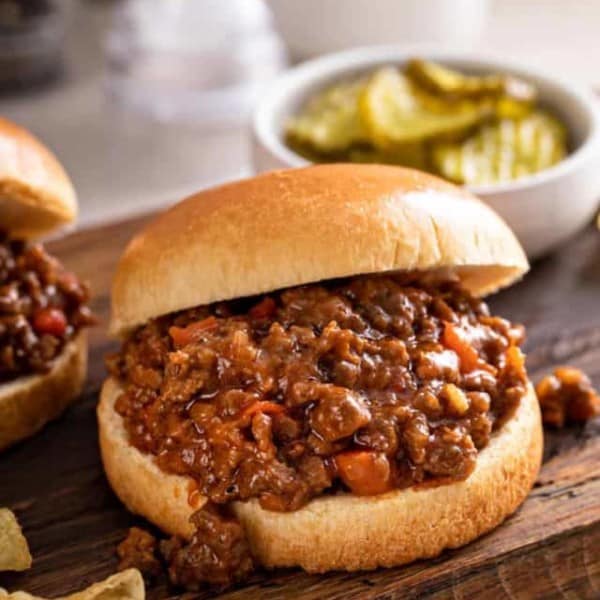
{"x": 32, "y": 33}
{"x": 204, "y": 61}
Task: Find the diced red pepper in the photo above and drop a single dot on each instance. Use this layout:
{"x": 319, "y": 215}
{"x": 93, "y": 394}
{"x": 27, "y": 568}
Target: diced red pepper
{"x": 263, "y": 406}
{"x": 264, "y": 309}
{"x": 182, "y": 336}
{"x": 50, "y": 321}
{"x": 366, "y": 473}
{"x": 454, "y": 338}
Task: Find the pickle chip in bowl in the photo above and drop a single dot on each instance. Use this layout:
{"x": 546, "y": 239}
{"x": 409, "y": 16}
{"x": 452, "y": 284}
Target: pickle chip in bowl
{"x": 506, "y": 149}
{"x": 330, "y": 122}
{"x": 395, "y": 112}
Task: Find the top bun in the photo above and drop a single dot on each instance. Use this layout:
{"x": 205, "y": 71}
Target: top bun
{"x": 36, "y": 195}
{"x": 299, "y": 226}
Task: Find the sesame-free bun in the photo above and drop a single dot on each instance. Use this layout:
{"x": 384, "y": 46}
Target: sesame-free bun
{"x": 29, "y": 402}
{"x": 343, "y": 531}
{"x": 293, "y": 227}
{"x": 36, "y": 194}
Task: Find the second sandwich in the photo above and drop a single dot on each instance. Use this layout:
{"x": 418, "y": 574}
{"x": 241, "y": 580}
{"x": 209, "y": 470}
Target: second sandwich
{"x": 43, "y": 307}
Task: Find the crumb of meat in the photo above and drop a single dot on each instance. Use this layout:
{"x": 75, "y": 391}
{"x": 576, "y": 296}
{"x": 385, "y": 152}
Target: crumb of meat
{"x": 139, "y": 551}
{"x": 217, "y": 555}
{"x": 567, "y": 396}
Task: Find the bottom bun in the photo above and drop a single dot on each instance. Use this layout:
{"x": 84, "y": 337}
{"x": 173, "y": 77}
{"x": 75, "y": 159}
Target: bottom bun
{"x": 28, "y": 403}
{"x": 343, "y": 531}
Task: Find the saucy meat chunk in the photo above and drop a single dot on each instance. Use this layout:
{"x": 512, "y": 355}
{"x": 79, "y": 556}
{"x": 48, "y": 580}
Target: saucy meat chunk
{"x": 217, "y": 554}
{"x": 139, "y": 551}
{"x": 567, "y": 395}
{"x": 339, "y": 413}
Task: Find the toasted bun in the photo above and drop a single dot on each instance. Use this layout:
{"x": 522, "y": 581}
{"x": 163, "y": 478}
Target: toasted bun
{"x": 36, "y": 195}
{"x": 28, "y": 403}
{"x": 343, "y": 532}
{"x": 299, "y": 226}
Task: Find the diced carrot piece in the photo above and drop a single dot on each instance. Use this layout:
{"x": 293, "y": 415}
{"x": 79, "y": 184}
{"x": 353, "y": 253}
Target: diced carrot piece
{"x": 182, "y": 336}
{"x": 454, "y": 338}
{"x": 265, "y": 308}
{"x": 366, "y": 473}
{"x": 263, "y": 406}
{"x": 516, "y": 359}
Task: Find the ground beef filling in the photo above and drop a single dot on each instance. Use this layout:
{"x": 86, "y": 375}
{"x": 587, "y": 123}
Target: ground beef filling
{"x": 42, "y": 307}
{"x": 364, "y": 385}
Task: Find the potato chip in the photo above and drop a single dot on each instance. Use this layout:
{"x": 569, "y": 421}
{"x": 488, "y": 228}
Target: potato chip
{"x": 14, "y": 551}
{"x": 127, "y": 585}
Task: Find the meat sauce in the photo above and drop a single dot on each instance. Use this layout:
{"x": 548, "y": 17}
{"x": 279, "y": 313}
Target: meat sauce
{"x": 42, "y": 307}
{"x": 362, "y": 385}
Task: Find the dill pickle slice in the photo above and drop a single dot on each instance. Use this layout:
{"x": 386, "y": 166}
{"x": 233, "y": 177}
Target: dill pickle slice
{"x": 451, "y": 84}
{"x": 503, "y": 151}
{"x": 448, "y": 82}
{"x": 511, "y": 108}
{"x": 394, "y": 112}
{"x": 329, "y": 123}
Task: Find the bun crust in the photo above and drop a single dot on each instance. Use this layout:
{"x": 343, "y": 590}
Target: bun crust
{"x": 299, "y": 226}
{"x": 344, "y": 532}
{"x": 36, "y": 194}
{"x": 28, "y": 403}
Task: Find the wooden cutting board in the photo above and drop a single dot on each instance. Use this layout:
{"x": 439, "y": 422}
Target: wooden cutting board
{"x": 549, "y": 549}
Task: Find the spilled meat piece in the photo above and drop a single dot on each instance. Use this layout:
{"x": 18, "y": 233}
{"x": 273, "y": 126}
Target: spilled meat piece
{"x": 139, "y": 551}
{"x": 567, "y": 396}
{"x": 217, "y": 554}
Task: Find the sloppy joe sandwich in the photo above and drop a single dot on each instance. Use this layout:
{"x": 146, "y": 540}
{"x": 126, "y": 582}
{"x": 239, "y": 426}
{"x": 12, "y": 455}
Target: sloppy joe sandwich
{"x": 308, "y": 375}
{"x": 43, "y": 307}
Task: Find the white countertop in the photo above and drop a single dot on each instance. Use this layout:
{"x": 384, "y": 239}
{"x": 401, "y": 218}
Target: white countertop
{"x": 124, "y": 163}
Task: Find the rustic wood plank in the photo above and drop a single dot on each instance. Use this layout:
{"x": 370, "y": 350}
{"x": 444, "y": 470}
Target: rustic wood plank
{"x": 549, "y": 548}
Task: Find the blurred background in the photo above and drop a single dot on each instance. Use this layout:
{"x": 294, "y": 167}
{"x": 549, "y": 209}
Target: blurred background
{"x": 145, "y": 101}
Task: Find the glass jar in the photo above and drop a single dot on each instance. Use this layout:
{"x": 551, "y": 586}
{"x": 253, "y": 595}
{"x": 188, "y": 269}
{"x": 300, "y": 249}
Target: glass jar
{"x": 31, "y": 39}
{"x": 203, "y": 60}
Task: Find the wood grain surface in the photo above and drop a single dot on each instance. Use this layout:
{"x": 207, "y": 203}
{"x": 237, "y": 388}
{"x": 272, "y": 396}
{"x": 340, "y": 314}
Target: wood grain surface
{"x": 549, "y": 549}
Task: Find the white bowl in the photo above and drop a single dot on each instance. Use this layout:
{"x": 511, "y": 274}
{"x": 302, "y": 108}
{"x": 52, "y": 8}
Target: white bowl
{"x": 544, "y": 209}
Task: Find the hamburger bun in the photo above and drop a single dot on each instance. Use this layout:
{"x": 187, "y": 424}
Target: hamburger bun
{"x": 36, "y": 197}
{"x": 301, "y": 226}
{"x": 28, "y": 403}
{"x": 36, "y": 194}
{"x": 293, "y": 227}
